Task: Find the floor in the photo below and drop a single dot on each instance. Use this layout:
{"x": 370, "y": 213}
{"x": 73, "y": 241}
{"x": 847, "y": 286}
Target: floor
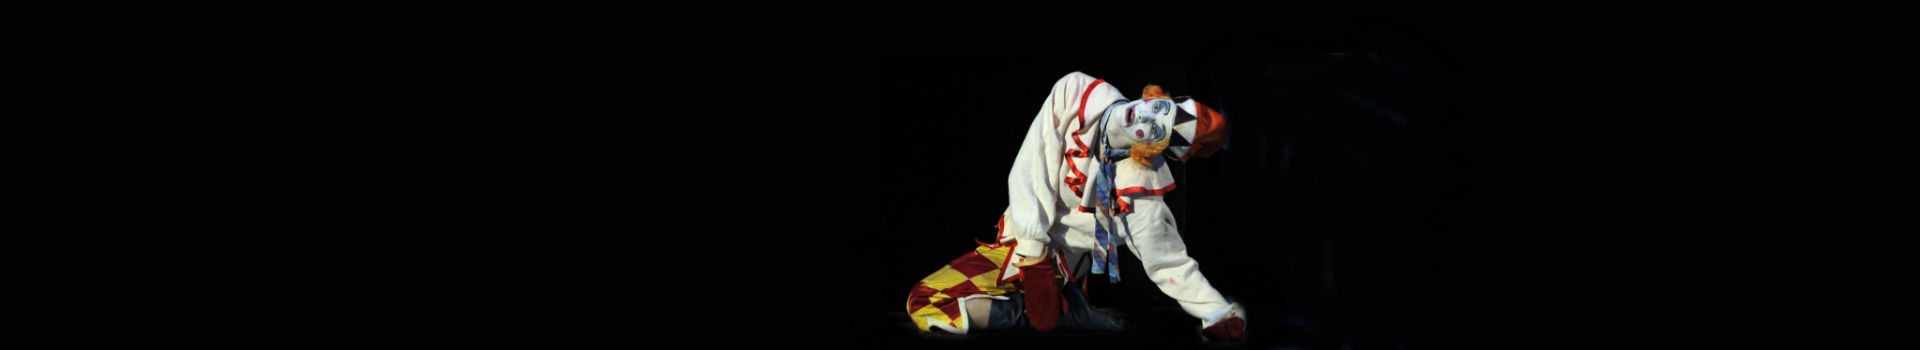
{"x": 1160, "y": 328}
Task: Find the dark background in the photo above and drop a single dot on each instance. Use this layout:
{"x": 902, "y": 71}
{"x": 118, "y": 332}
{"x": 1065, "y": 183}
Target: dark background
{"x": 1365, "y": 200}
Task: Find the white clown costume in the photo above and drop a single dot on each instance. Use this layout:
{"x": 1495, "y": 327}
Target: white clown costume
{"x": 1056, "y": 208}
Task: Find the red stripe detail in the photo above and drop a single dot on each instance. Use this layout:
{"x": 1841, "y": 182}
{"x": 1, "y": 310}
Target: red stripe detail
{"x": 1133, "y": 190}
{"x": 1078, "y": 177}
{"x": 1002, "y": 225}
{"x": 1012, "y": 273}
{"x": 1085, "y": 209}
{"x": 1073, "y": 182}
{"x": 1060, "y": 263}
{"x": 1083, "y": 102}
{"x": 1124, "y": 206}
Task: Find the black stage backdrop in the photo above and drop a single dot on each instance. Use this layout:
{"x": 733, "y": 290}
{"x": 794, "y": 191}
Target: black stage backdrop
{"x": 803, "y": 191}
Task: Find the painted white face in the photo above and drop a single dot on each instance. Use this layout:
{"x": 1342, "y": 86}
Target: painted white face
{"x": 1145, "y": 120}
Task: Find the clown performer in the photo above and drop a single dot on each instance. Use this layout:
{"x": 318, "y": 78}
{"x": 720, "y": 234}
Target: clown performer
{"x": 1089, "y": 177}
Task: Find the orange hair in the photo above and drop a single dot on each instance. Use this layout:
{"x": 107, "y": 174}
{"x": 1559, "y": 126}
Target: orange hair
{"x": 1153, "y": 91}
{"x": 1143, "y": 152}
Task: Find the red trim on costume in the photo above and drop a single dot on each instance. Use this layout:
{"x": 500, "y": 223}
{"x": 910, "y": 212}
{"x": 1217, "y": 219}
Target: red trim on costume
{"x": 1133, "y": 190}
{"x": 1124, "y": 206}
{"x": 1078, "y": 178}
{"x": 1085, "y": 209}
{"x": 1060, "y": 263}
{"x": 1012, "y": 266}
{"x": 1083, "y": 100}
{"x": 1008, "y": 265}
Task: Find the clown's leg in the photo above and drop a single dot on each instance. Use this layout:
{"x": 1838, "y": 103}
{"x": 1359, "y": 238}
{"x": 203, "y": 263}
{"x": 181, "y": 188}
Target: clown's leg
{"x": 1081, "y": 314}
{"x": 978, "y": 310}
{"x": 1156, "y": 241}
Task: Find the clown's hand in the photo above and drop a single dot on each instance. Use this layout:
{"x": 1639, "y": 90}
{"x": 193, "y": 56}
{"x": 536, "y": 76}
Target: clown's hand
{"x": 1042, "y": 289}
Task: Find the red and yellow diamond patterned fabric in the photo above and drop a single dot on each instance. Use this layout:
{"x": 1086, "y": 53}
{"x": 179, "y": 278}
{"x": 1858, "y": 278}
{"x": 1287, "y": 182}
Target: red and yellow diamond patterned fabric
{"x": 937, "y": 297}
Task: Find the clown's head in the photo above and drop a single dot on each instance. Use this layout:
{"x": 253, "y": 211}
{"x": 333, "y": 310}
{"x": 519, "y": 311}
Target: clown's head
{"x": 1142, "y": 126}
{"x": 1157, "y": 123}
{"x": 1140, "y": 121}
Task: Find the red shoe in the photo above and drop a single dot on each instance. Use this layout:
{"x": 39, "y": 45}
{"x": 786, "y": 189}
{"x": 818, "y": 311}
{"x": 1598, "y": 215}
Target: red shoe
{"x": 1233, "y": 328}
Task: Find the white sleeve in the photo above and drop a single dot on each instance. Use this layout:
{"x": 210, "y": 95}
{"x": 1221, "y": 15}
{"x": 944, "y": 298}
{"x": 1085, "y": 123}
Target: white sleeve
{"x": 1032, "y": 186}
{"x": 1154, "y": 237}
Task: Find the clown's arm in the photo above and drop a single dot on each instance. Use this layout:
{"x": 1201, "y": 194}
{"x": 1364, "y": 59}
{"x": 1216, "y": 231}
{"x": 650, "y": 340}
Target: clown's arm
{"x": 1033, "y": 185}
{"x": 1156, "y": 241}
